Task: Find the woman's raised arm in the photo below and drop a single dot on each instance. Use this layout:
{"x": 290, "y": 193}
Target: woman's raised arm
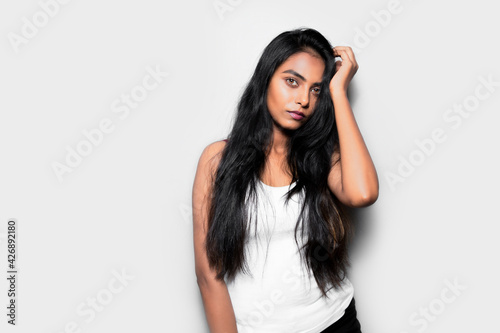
{"x": 354, "y": 179}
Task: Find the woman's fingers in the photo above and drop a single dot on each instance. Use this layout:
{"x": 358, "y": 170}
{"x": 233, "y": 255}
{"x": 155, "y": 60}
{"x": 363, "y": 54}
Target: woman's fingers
{"x": 345, "y": 53}
{"x": 337, "y": 65}
{"x": 344, "y": 68}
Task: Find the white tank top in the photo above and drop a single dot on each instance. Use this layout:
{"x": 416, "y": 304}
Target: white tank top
{"x": 280, "y": 296}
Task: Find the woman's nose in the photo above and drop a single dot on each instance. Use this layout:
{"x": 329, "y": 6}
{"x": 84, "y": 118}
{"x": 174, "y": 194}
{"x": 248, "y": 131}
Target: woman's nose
{"x": 302, "y": 98}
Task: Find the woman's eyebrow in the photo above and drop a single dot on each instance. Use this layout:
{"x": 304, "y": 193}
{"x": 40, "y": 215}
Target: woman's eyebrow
{"x": 291, "y": 71}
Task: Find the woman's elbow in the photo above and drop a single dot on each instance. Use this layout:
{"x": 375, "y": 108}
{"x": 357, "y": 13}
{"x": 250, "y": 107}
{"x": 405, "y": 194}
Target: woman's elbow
{"x": 364, "y": 199}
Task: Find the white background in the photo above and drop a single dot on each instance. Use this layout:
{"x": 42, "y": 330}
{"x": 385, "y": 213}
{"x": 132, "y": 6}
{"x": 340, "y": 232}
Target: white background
{"x": 126, "y": 207}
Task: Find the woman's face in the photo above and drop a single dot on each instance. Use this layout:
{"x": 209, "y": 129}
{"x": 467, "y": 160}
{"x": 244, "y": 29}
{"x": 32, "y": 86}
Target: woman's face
{"x": 294, "y": 89}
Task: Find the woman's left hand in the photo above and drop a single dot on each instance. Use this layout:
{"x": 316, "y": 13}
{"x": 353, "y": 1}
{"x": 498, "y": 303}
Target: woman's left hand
{"x": 344, "y": 69}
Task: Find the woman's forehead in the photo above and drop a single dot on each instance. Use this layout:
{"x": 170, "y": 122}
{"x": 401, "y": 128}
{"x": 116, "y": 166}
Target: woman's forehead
{"x": 309, "y": 66}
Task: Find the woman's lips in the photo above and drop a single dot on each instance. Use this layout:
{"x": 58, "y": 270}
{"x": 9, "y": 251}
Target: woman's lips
{"x": 297, "y": 115}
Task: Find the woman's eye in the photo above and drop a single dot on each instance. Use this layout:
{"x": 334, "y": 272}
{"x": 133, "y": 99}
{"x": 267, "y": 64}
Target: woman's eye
{"x": 316, "y": 90}
{"x": 291, "y": 81}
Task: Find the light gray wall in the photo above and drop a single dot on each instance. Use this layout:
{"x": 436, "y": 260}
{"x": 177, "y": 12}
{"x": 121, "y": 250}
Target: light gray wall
{"x": 125, "y": 207}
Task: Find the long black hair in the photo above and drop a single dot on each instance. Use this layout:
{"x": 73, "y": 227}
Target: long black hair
{"x": 309, "y": 157}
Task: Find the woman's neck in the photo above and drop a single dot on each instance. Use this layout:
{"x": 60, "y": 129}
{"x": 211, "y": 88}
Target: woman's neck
{"x": 279, "y": 141}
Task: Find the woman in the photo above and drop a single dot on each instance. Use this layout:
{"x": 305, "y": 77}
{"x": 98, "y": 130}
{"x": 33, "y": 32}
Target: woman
{"x": 292, "y": 161}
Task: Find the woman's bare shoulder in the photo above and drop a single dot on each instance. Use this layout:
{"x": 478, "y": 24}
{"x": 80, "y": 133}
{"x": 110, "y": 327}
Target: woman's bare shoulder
{"x": 214, "y": 148}
{"x": 210, "y": 157}
{"x": 217, "y": 145}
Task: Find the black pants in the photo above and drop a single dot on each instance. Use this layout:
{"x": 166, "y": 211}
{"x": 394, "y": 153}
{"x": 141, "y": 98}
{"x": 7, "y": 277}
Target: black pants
{"x": 348, "y": 323}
